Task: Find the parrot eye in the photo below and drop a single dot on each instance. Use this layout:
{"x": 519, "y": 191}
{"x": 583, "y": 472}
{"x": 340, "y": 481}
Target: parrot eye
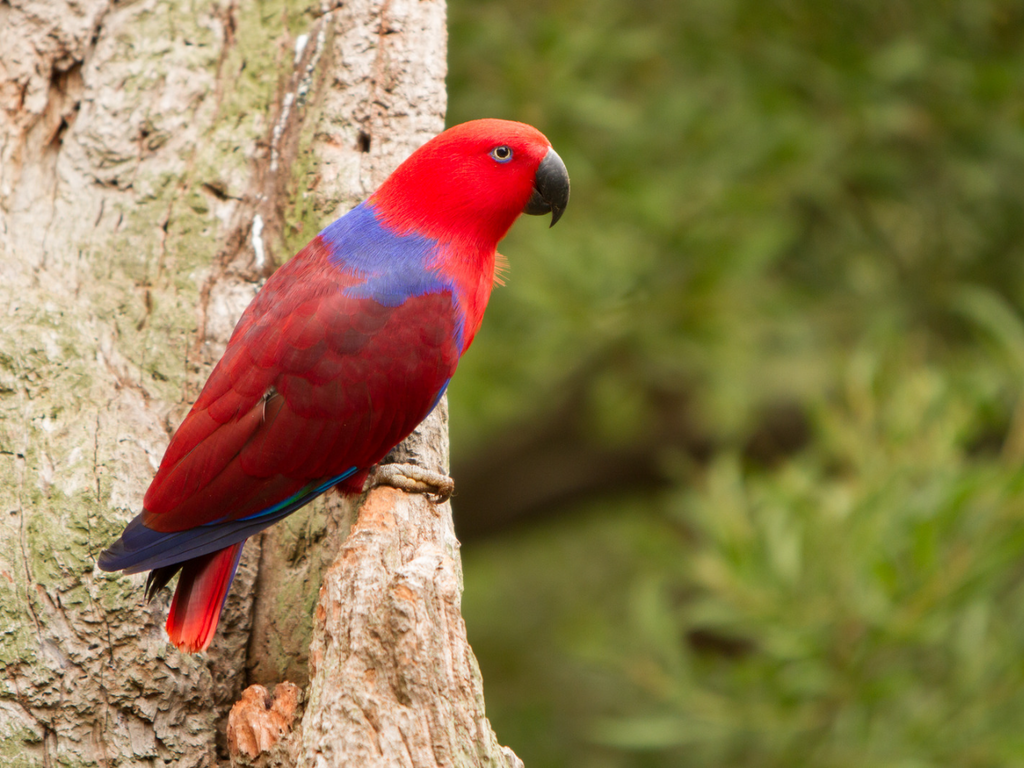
{"x": 502, "y": 154}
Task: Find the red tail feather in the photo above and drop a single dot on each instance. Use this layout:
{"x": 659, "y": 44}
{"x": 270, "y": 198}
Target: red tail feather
{"x": 199, "y": 598}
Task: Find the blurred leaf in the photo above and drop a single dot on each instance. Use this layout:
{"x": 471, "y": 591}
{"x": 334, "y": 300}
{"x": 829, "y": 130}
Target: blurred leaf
{"x": 815, "y": 205}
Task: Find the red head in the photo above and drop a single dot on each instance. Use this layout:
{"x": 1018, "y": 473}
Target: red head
{"x": 469, "y": 184}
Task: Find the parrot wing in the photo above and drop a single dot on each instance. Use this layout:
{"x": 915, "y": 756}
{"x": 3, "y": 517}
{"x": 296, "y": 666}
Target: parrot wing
{"x": 314, "y": 388}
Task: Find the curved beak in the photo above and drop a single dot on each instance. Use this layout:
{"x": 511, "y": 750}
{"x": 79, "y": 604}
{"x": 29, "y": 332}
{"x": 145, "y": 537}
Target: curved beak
{"x": 550, "y": 188}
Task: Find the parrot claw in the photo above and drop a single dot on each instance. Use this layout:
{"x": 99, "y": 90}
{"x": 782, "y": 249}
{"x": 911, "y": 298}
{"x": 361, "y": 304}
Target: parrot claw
{"x": 413, "y": 479}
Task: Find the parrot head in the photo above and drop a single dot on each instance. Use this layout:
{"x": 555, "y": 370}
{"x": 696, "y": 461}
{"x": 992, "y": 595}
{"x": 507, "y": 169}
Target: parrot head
{"x": 471, "y": 182}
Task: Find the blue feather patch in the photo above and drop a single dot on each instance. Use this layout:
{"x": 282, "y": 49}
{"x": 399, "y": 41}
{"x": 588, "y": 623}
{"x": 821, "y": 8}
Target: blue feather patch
{"x": 392, "y": 267}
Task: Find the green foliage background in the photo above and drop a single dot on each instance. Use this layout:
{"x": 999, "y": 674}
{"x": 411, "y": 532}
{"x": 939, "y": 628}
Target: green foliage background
{"x": 819, "y": 205}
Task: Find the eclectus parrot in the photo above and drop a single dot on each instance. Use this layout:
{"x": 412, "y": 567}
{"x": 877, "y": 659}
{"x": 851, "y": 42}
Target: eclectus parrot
{"x": 343, "y": 352}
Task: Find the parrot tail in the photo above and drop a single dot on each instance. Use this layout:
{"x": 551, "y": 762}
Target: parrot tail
{"x": 199, "y": 598}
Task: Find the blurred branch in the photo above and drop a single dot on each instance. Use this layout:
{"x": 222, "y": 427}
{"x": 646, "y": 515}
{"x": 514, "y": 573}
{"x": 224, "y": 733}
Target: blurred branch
{"x": 539, "y": 471}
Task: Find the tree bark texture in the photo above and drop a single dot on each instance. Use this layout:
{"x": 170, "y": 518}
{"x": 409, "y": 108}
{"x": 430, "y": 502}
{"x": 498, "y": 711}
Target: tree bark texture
{"x": 157, "y": 160}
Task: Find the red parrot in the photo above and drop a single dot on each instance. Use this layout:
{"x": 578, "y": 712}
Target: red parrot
{"x": 343, "y": 352}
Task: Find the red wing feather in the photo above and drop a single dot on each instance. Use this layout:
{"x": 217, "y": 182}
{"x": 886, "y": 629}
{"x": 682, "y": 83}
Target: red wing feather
{"x": 214, "y": 445}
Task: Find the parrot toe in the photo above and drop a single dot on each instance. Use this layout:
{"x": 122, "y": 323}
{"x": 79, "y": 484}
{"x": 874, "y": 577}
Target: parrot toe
{"x": 413, "y": 479}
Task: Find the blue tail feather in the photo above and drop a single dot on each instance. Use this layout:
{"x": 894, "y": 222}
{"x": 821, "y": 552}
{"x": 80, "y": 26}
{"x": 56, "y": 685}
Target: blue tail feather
{"x": 143, "y": 549}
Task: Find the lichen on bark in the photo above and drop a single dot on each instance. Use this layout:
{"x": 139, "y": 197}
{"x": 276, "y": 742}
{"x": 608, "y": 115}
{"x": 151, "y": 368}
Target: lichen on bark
{"x": 125, "y": 152}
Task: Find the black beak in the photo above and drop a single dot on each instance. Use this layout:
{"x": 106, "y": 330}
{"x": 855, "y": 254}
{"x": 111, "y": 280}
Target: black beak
{"x": 550, "y": 188}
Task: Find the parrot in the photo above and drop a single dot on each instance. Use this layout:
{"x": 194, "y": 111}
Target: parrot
{"x": 347, "y": 347}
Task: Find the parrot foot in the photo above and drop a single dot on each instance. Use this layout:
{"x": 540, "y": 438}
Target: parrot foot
{"x": 413, "y": 479}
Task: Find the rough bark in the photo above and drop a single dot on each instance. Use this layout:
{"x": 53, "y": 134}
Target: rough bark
{"x": 393, "y": 679}
{"x": 156, "y": 161}
{"x": 385, "y": 97}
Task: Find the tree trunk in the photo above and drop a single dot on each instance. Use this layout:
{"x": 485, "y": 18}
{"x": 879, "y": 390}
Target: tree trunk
{"x": 157, "y": 160}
